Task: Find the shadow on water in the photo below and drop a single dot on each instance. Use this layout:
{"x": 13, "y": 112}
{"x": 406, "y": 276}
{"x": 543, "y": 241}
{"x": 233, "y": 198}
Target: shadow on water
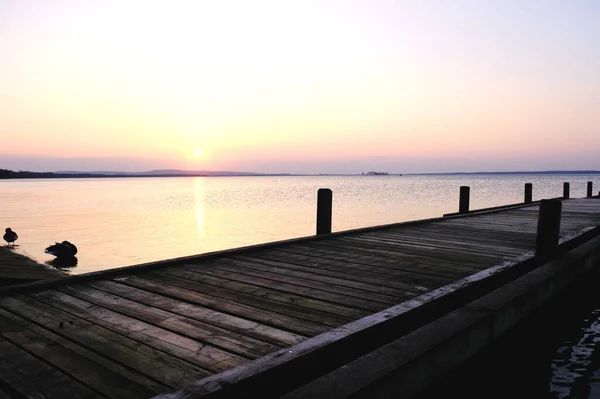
{"x": 553, "y": 354}
{"x": 63, "y": 263}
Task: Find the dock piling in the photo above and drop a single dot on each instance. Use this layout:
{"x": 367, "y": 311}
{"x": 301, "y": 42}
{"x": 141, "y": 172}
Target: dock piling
{"x": 528, "y": 193}
{"x": 548, "y": 227}
{"x": 590, "y": 187}
{"x": 566, "y": 190}
{"x": 463, "y": 204}
{"x": 324, "y": 209}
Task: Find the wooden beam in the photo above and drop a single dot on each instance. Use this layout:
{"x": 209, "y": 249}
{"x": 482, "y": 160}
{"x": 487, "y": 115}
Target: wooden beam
{"x": 463, "y": 204}
{"x": 548, "y": 228}
{"x": 324, "y": 209}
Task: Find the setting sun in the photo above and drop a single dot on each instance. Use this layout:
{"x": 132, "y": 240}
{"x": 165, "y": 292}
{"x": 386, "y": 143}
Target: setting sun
{"x": 197, "y": 153}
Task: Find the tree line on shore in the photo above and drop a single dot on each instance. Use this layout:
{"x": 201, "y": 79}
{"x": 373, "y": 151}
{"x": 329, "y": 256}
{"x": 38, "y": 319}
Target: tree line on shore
{"x": 23, "y": 174}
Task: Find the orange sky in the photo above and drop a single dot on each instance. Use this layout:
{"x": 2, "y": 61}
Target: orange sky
{"x": 299, "y": 86}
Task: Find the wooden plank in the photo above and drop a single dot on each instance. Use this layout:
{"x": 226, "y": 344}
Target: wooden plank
{"x": 522, "y": 238}
{"x": 310, "y": 280}
{"x": 157, "y": 365}
{"x": 89, "y": 368}
{"x": 277, "y": 314}
{"x": 511, "y": 228}
{"x": 356, "y": 280}
{"x": 381, "y": 255}
{"x": 226, "y": 321}
{"x": 462, "y": 259}
{"x": 357, "y": 264}
{"x": 408, "y": 253}
{"x": 390, "y": 269}
{"x": 470, "y": 233}
{"x": 441, "y": 264}
{"x": 227, "y": 341}
{"x": 472, "y": 246}
{"x": 406, "y": 238}
{"x": 323, "y": 292}
{"x": 184, "y": 348}
{"x": 28, "y": 376}
{"x": 242, "y": 285}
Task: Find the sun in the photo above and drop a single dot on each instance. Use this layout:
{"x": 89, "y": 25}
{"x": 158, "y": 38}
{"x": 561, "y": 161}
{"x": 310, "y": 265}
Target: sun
{"x": 198, "y": 153}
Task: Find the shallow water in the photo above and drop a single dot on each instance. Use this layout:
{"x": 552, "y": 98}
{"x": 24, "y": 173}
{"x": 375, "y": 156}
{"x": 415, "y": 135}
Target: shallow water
{"x": 123, "y": 221}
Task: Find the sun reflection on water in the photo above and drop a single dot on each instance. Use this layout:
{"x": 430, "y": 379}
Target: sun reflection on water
{"x": 199, "y": 199}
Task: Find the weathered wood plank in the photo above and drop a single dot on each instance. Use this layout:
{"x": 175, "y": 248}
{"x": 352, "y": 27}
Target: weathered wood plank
{"x": 460, "y": 259}
{"x": 469, "y": 232}
{"x": 227, "y": 341}
{"x": 17, "y": 367}
{"x": 86, "y": 366}
{"x": 436, "y": 245}
{"x": 274, "y": 313}
{"x": 470, "y": 246}
{"x": 408, "y": 253}
{"x": 342, "y": 278}
{"x": 157, "y": 365}
{"x": 310, "y": 280}
{"x": 324, "y": 292}
{"x": 390, "y": 269}
{"x": 182, "y": 347}
{"x": 424, "y": 260}
{"x": 226, "y": 321}
{"x": 357, "y": 267}
{"x": 267, "y": 290}
{"x": 465, "y": 230}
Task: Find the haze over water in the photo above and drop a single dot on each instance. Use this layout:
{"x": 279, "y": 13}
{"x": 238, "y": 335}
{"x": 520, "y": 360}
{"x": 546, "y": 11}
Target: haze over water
{"x": 124, "y": 221}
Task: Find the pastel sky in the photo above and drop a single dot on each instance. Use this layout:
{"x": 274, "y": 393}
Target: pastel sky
{"x": 304, "y": 86}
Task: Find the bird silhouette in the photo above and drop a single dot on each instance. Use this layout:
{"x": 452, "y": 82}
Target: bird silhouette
{"x": 62, "y": 249}
{"x": 65, "y": 254}
{"x": 10, "y": 236}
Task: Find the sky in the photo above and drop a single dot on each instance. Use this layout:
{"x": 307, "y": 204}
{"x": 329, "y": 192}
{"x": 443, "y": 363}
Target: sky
{"x": 300, "y": 86}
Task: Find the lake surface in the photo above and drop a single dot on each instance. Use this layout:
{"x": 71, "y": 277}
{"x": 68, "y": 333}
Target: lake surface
{"x": 124, "y": 221}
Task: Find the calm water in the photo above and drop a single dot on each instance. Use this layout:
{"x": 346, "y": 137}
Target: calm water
{"x": 119, "y": 222}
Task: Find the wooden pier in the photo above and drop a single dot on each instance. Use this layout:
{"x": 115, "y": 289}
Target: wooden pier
{"x": 266, "y": 320}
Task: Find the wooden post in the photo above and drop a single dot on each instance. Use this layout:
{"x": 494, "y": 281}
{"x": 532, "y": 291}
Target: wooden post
{"x": 528, "y": 193}
{"x": 590, "y": 188}
{"x": 463, "y": 202}
{"x": 324, "y": 206}
{"x": 566, "y": 190}
{"x": 548, "y": 228}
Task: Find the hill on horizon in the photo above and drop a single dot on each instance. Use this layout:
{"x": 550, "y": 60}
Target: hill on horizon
{"x": 164, "y": 172}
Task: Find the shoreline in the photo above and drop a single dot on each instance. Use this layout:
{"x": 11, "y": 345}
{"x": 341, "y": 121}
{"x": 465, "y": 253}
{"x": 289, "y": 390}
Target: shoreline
{"x": 16, "y": 268}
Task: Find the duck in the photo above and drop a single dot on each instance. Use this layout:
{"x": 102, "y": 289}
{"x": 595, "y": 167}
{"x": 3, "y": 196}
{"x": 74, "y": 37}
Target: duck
{"x": 62, "y": 250}
{"x": 10, "y": 236}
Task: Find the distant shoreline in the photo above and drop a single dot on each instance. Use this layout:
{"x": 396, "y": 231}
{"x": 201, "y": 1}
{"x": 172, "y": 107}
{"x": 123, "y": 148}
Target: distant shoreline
{"x": 541, "y": 172}
{"x": 9, "y": 174}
